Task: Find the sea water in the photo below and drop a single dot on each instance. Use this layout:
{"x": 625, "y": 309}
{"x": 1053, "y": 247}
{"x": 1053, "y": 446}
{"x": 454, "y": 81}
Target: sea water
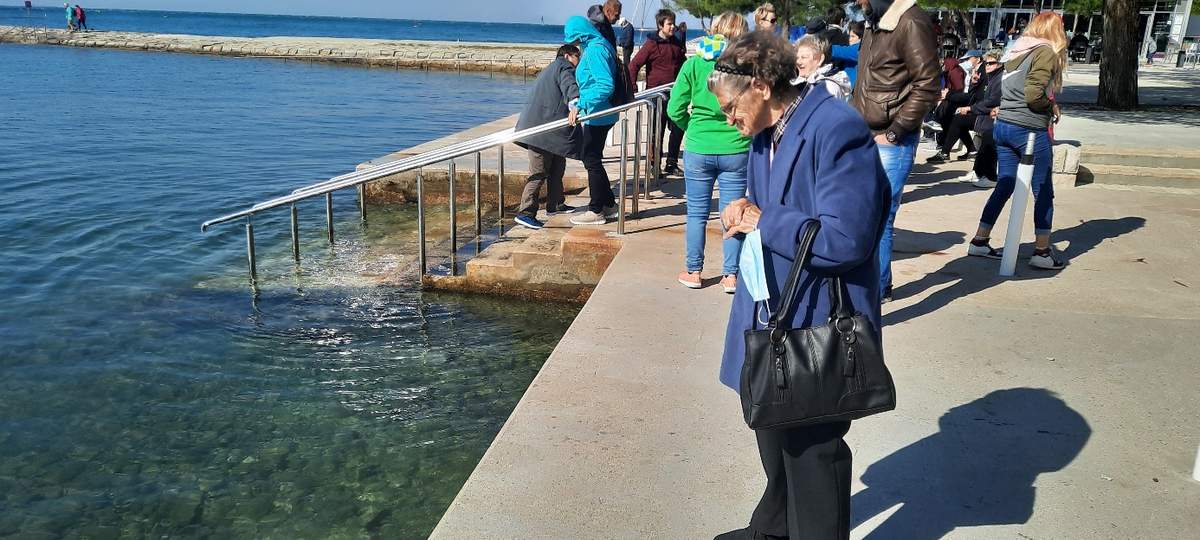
{"x": 145, "y": 390}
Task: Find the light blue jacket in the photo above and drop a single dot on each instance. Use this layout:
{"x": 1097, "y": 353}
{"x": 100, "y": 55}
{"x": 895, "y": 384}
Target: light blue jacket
{"x": 595, "y": 73}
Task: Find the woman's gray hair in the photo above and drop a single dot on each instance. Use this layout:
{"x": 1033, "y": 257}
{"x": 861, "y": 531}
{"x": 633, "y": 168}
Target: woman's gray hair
{"x": 815, "y": 44}
{"x": 758, "y": 55}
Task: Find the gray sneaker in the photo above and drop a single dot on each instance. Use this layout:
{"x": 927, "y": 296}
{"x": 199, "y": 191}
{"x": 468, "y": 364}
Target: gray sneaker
{"x": 589, "y": 218}
{"x": 610, "y": 212}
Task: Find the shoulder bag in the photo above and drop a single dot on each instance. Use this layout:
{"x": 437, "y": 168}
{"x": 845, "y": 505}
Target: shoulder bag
{"x": 822, "y": 374}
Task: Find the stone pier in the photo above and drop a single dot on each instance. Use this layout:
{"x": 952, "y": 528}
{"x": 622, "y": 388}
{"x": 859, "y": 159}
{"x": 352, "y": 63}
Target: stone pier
{"x": 513, "y": 58}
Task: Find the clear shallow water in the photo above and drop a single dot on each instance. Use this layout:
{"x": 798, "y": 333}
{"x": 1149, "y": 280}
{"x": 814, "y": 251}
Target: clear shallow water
{"x": 145, "y": 391}
{"x": 236, "y": 24}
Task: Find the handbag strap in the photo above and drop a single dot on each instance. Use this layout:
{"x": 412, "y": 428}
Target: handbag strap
{"x": 808, "y": 234}
{"x": 839, "y": 306}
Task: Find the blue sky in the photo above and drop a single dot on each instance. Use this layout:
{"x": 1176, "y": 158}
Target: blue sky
{"x": 526, "y": 11}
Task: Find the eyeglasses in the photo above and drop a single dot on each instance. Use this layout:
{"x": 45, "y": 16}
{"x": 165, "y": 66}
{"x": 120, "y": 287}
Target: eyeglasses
{"x": 992, "y": 63}
{"x": 729, "y": 108}
{"x": 771, "y": 20}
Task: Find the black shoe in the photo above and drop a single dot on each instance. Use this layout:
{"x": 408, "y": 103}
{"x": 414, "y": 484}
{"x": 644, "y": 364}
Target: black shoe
{"x": 671, "y": 170}
{"x": 939, "y": 157}
{"x": 887, "y": 295}
{"x": 969, "y": 154}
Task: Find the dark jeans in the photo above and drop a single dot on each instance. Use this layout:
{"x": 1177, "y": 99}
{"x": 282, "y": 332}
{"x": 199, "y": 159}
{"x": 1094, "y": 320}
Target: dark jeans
{"x": 1010, "y": 146}
{"x": 599, "y": 189}
{"x": 544, "y": 168}
{"x": 985, "y": 160}
{"x": 673, "y": 143}
{"x": 808, "y": 482}
{"x": 959, "y": 128}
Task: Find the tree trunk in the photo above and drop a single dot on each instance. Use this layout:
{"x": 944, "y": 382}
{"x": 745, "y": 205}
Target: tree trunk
{"x": 967, "y": 29}
{"x": 1119, "y": 59}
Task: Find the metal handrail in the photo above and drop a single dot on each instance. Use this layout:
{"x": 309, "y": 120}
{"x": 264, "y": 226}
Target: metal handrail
{"x": 643, "y": 101}
{"x": 502, "y": 134}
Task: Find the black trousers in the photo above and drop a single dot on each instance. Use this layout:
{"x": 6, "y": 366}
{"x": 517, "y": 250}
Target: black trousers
{"x": 599, "y": 189}
{"x": 673, "y": 143}
{"x": 959, "y": 128}
{"x": 808, "y": 483}
{"x": 985, "y": 160}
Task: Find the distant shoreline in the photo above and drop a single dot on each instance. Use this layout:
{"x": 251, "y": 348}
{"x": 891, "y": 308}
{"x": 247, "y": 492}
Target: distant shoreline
{"x": 513, "y": 58}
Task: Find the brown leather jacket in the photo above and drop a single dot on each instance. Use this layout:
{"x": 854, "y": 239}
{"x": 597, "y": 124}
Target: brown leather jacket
{"x": 898, "y": 71}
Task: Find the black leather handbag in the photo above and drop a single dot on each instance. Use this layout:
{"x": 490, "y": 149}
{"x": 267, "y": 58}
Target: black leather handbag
{"x": 822, "y": 374}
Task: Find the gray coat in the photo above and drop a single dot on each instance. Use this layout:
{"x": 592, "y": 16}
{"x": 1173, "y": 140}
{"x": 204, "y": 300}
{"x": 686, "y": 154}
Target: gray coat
{"x": 554, "y": 88}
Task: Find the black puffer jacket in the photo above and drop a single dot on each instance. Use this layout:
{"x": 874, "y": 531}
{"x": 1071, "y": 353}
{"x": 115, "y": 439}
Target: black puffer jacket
{"x": 990, "y": 100}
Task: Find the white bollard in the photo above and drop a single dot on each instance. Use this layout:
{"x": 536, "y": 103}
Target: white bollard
{"x": 1196, "y": 467}
{"x": 1016, "y": 214}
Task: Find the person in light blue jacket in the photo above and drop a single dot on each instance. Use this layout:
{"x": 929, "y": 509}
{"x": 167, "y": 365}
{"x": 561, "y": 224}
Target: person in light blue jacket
{"x": 596, "y": 76}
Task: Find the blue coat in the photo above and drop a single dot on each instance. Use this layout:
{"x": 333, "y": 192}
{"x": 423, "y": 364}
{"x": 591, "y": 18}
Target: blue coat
{"x": 827, "y": 168}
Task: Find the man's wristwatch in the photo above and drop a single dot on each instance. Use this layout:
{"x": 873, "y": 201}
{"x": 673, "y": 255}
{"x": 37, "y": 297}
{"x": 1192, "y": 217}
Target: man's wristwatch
{"x": 891, "y": 137}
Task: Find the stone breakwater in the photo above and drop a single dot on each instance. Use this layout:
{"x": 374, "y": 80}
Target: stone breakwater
{"x": 513, "y": 58}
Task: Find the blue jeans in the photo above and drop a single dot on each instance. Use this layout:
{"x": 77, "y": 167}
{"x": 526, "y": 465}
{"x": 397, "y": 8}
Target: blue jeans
{"x": 897, "y": 163}
{"x": 700, "y": 171}
{"x": 1010, "y": 146}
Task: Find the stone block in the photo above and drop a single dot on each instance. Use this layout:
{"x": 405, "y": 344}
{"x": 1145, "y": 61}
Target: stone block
{"x": 1066, "y": 158}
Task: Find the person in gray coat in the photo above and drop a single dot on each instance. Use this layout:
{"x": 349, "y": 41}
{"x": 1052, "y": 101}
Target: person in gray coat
{"x": 554, "y": 95}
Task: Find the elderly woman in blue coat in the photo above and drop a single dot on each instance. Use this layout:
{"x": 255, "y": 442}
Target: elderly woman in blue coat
{"x": 812, "y": 158}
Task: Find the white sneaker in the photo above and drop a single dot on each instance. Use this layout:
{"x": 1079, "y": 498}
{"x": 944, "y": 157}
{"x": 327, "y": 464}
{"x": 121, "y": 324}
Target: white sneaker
{"x": 984, "y": 250}
{"x": 589, "y": 218}
{"x": 984, "y": 183}
{"x": 1047, "y": 260}
{"x": 969, "y": 177}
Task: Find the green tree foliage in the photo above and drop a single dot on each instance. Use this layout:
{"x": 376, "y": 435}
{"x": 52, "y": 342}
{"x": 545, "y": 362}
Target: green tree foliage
{"x": 707, "y": 9}
{"x": 1082, "y": 7}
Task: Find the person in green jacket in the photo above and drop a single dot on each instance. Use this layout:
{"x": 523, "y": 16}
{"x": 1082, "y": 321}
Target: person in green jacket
{"x": 715, "y": 151}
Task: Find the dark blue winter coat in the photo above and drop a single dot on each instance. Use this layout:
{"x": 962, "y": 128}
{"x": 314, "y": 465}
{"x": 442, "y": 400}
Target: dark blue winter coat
{"x": 826, "y": 168}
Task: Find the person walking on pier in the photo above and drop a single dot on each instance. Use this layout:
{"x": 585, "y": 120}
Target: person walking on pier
{"x": 812, "y": 158}
{"x": 555, "y": 95}
{"x": 663, "y": 57}
{"x": 716, "y": 152}
{"x": 80, "y": 18}
{"x": 898, "y": 83}
{"x": 597, "y": 78}
{"x": 1033, "y": 71}
{"x": 71, "y": 20}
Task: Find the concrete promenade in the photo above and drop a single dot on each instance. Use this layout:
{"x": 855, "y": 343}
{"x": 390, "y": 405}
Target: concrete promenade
{"x": 1042, "y": 406}
{"x": 513, "y": 58}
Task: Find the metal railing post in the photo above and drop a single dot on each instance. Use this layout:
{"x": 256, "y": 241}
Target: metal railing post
{"x": 421, "y": 221}
{"x": 362, "y": 202}
{"x": 621, "y": 190}
{"x": 658, "y": 140}
{"x": 637, "y": 157}
{"x": 500, "y": 187}
{"x": 478, "y": 209}
{"x": 329, "y": 215}
{"x": 651, "y": 123}
{"x": 453, "y": 212}
{"x": 295, "y": 234}
{"x": 250, "y": 251}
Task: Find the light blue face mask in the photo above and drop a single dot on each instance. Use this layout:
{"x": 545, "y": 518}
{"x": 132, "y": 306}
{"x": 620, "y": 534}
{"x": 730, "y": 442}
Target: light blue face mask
{"x": 752, "y": 272}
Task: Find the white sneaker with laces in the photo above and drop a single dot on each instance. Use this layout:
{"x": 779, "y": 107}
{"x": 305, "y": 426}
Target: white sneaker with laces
{"x": 589, "y": 218}
{"x": 1047, "y": 260}
{"x": 985, "y": 250}
{"x": 969, "y": 177}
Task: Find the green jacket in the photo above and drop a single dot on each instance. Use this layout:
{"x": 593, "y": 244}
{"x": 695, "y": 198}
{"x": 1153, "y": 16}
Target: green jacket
{"x": 707, "y": 130}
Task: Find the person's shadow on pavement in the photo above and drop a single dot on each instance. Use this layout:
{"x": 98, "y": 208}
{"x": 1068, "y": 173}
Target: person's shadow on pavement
{"x": 974, "y": 274}
{"x": 978, "y": 469}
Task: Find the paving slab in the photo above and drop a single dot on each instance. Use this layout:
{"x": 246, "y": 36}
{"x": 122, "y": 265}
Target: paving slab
{"x": 1041, "y": 406}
